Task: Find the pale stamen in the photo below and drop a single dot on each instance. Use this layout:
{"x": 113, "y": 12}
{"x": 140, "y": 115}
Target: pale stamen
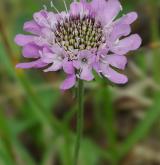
{"x": 76, "y": 33}
{"x": 53, "y": 6}
{"x": 45, "y": 7}
{"x": 65, "y": 5}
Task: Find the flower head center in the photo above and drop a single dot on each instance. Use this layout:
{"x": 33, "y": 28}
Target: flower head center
{"x": 84, "y": 60}
{"x": 79, "y": 33}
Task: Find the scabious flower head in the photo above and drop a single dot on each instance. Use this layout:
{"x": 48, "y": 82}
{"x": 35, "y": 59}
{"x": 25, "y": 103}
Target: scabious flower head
{"x": 78, "y": 41}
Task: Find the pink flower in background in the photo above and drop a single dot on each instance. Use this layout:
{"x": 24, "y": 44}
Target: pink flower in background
{"x": 84, "y": 39}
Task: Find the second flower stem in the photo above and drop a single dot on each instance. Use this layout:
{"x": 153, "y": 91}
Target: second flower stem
{"x": 80, "y": 120}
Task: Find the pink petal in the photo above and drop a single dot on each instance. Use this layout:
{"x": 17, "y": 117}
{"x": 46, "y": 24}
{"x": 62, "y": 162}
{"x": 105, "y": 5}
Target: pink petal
{"x": 31, "y": 51}
{"x": 32, "y": 27}
{"x": 40, "y": 41}
{"x": 22, "y": 40}
{"x": 86, "y": 74}
{"x": 96, "y": 67}
{"x": 125, "y": 45}
{"x": 33, "y": 64}
{"x": 113, "y": 75}
{"x": 106, "y": 10}
{"x": 68, "y": 66}
{"x": 122, "y": 27}
{"x": 47, "y": 57}
{"x": 76, "y": 8}
{"x": 57, "y": 65}
{"x": 120, "y": 30}
{"x": 117, "y": 61}
{"x": 52, "y": 19}
{"x": 76, "y": 64}
{"x": 48, "y": 35}
{"x": 128, "y": 18}
{"x": 57, "y": 49}
{"x": 41, "y": 18}
{"x": 79, "y": 8}
{"x": 69, "y": 82}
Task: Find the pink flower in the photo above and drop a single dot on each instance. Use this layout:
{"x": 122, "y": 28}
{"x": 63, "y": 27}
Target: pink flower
{"x": 84, "y": 64}
{"x": 87, "y": 37}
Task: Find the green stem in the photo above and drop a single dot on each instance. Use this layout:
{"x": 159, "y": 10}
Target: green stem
{"x": 79, "y": 120}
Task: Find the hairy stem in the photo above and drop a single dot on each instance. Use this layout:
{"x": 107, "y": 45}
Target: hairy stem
{"x": 80, "y": 120}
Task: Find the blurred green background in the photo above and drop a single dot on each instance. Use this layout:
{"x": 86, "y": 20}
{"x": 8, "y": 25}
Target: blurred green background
{"x": 38, "y": 121}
